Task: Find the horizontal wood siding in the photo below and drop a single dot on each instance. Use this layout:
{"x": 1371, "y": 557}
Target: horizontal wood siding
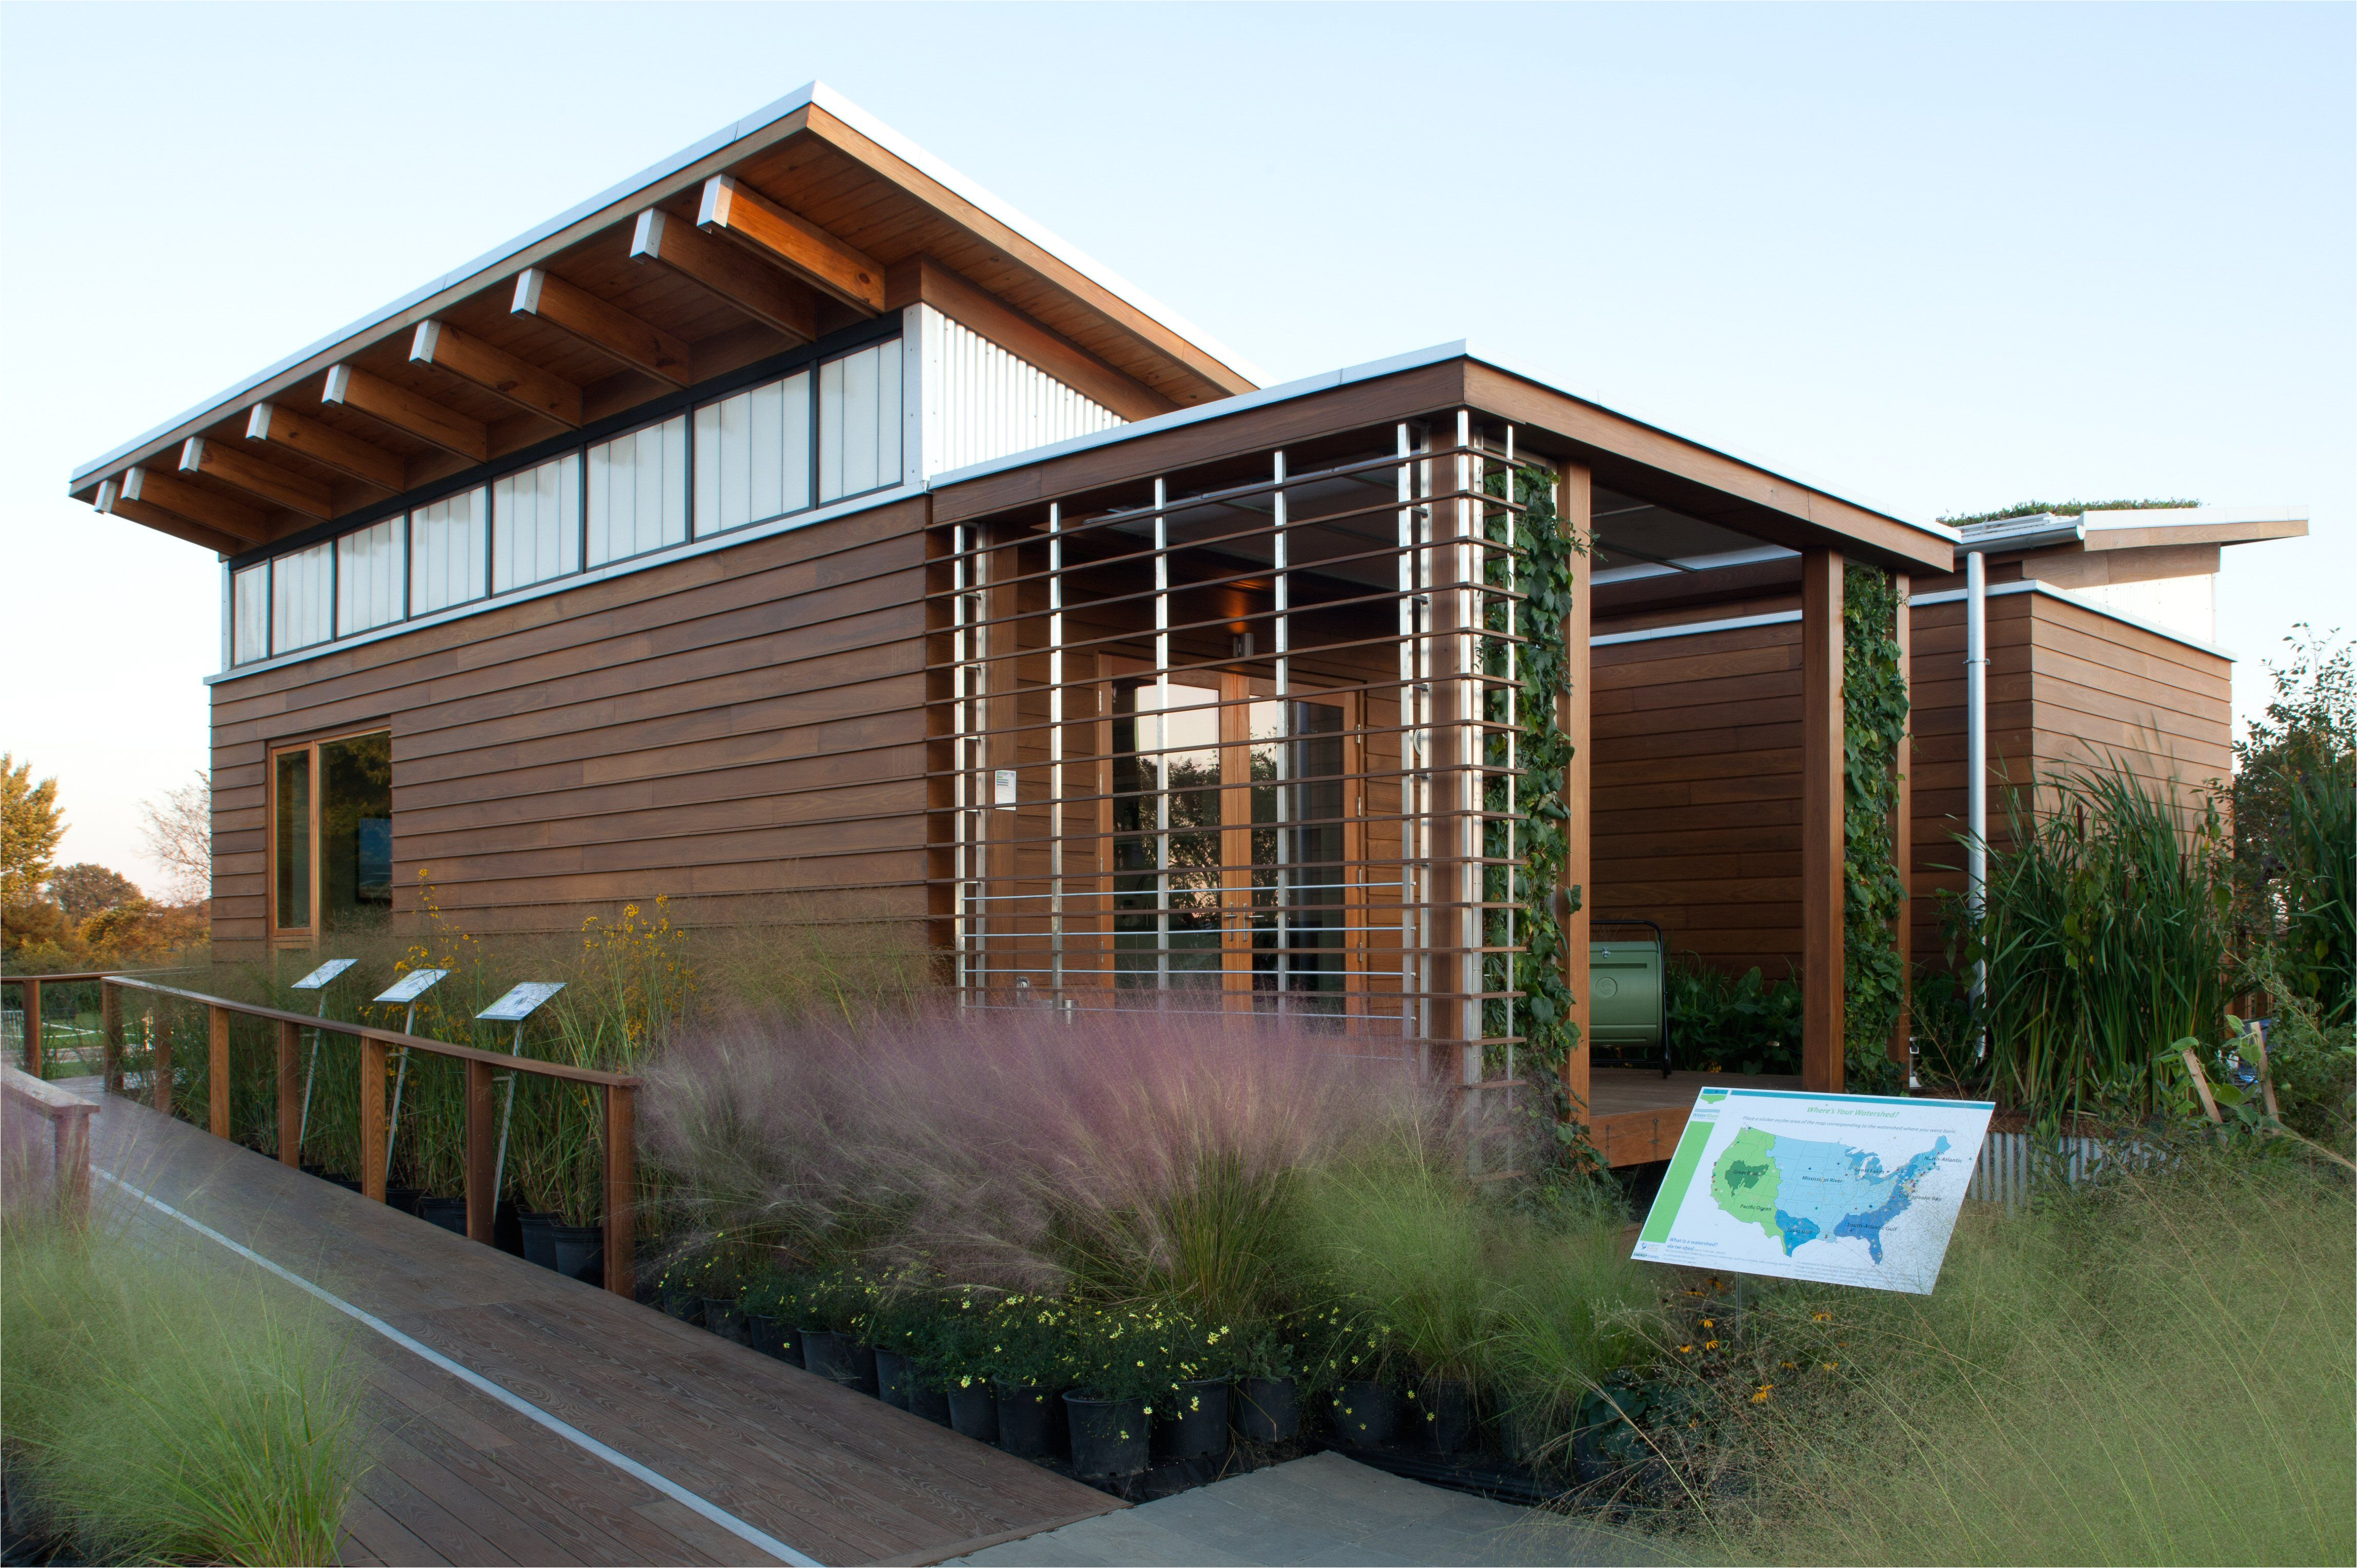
{"x": 726, "y": 729}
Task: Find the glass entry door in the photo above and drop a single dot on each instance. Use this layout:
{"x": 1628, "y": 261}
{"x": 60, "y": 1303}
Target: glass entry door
{"x": 330, "y": 836}
{"x": 1230, "y": 813}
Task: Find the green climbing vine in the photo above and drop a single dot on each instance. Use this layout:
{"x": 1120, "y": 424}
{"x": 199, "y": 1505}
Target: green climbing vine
{"x": 1874, "y": 726}
{"x": 1525, "y": 847}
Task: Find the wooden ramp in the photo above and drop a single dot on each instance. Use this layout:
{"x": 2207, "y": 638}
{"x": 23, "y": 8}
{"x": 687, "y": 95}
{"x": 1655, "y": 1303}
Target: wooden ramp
{"x": 684, "y": 1447}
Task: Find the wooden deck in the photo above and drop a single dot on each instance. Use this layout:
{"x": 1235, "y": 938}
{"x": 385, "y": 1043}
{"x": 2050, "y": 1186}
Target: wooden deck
{"x": 1637, "y": 1114}
{"x": 697, "y": 1433}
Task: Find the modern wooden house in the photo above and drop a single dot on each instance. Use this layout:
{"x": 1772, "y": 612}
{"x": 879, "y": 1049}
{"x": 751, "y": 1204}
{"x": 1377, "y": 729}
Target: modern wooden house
{"x": 794, "y": 518}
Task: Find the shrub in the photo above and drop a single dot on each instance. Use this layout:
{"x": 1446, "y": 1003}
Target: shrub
{"x": 1722, "y": 1024}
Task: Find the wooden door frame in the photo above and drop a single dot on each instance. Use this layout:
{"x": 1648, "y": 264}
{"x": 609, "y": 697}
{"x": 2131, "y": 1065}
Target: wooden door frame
{"x": 298, "y": 938}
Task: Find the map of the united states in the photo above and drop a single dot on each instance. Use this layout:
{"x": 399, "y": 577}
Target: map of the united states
{"x": 1800, "y": 1191}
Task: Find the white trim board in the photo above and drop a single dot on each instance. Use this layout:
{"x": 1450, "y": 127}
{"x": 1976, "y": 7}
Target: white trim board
{"x": 1695, "y": 628}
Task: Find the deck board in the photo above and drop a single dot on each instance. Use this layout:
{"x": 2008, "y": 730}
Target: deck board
{"x": 459, "y": 1476}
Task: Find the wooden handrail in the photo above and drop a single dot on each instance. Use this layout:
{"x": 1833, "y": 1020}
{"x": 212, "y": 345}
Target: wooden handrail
{"x": 386, "y": 1036}
{"x": 376, "y": 1047}
{"x": 69, "y": 1117}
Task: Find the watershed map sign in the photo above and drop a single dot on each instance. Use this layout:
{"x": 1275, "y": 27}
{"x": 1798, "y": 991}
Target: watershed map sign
{"x": 1850, "y": 1189}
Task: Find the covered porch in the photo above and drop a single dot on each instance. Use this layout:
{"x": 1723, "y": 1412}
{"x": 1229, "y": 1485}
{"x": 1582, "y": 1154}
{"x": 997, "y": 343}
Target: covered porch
{"x": 1247, "y": 716}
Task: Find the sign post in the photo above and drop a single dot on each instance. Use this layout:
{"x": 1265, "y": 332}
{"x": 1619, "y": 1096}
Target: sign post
{"x": 517, "y": 1006}
{"x": 318, "y": 979}
{"x": 408, "y": 988}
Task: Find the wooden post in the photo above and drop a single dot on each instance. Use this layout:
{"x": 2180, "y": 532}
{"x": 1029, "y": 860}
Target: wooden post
{"x": 373, "y": 1124}
{"x": 160, "y": 1066}
{"x": 1578, "y": 727}
{"x": 290, "y": 1093}
{"x": 1903, "y": 832}
{"x": 216, "y": 1070}
{"x": 32, "y": 990}
{"x": 482, "y": 1153}
{"x": 1822, "y": 883}
{"x": 72, "y": 1148}
{"x": 621, "y": 1190}
{"x": 110, "y": 1036}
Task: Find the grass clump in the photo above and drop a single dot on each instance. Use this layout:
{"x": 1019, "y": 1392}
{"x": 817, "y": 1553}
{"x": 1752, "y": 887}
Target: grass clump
{"x": 2158, "y": 1369}
{"x": 163, "y": 1409}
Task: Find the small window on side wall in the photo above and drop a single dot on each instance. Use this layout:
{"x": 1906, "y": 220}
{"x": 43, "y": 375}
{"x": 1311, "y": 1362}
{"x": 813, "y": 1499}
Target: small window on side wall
{"x": 249, "y": 633}
{"x": 448, "y": 543}
{"x": 331, "y": 836}
{"x": 859, "y": 422}
{"x": 302, "y": 598}
{"x": 637, "y": 491}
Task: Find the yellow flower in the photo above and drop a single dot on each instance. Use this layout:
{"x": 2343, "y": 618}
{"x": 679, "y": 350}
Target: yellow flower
{"x": 1821, "y": 1317}
{"x": 1710, "y": 1323}
{"x": 1829, "y": 1366}
{"x": 1684, "y": 1348}
{"x": 1761, "y": 1397}
{"x": 1710, "y": 1344}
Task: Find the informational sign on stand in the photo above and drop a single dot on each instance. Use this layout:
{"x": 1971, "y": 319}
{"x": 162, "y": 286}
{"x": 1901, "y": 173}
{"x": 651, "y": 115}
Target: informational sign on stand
{"x": 1850, "y": 1189}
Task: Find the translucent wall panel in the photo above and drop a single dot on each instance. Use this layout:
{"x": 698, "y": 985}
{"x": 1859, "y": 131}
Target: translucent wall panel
{"x": 637, "y": 491}
{"x": 302, "y": 598}
{"x": 752, "y": 456}
{"x": 536, "y": 524}
{"x": 249, "y": 614}
{"x": 981, "y": 401}
{"x": 446, "y": 545}
{"x": 859, "y": 422}
{"x": 369, "y": 577}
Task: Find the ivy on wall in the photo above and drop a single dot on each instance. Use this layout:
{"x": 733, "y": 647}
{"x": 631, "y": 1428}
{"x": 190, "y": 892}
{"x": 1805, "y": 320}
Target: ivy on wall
{"x": 1528, "y": 857}
{"x": 1874, "y": 726}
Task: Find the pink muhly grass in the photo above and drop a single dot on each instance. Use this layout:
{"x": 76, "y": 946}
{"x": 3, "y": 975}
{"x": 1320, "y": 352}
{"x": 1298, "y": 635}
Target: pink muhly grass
{"x": 1128, "y": 1155}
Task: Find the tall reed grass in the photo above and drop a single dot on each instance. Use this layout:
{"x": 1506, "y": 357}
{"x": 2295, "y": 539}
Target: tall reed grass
{"x": 167, "y": 1408}
{"x": 2107, "y": 932}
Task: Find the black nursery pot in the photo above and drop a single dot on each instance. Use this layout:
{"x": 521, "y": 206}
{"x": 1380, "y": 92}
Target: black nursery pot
{"x": 403, "y": 1198}
{"x": 450, "y": 1213}
{"x": 1109, "y": 1437}
{"x": 892, "y": 1379}
{"x": 580, "y": 1252}
{"x": 973, "y": 1411}
{"x": 725, "y": 1318}
{"x": 1365, "y": 1414}
{"x": 835, "y": 1356}
{"x": 1267, "y": 1410}
{"x": 1197, "y": 1425}
{"x": 539, "y": 1243}
{"x": 682, "y": 1305}
{"x": 1030, "y": 1419}
{"x": 769, "y": 1337}
{"x": 924, "y": 1400}
{"x": 1446, "y": 1415}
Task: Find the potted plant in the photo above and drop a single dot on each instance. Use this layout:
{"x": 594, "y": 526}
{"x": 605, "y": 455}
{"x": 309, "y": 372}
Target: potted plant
{"x": 1194, "y": 1424}
{"x": 1030, "y": 1366}
{"x": 766, "y": 1310}
{"x": 1266, "y": 1404}
{"x": 960, "y": 1358}
{"x": 830, "y": 1310}
{"x": 1123, "y": 1369}
{"x": 1353, "y": 1372}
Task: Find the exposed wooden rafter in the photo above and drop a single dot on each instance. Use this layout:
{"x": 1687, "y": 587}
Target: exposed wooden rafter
{"x": 152, "y": 486}
{"x": 220, "y": 461}
{"x": 922, "y": 279}
{"x": 759, "y": 291}
{"x": 608, "y": 329}
{"x": 796, "y": 244}
{"x": 110, "y": 501}
{"x": 351, "y": 387}
{"x": 330, "y": 448}
{"x": 497, "y": 371}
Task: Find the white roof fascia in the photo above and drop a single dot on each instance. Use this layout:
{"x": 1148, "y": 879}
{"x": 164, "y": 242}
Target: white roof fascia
{"x": 649, "y": 185}
{"x": 2190, "y": 516}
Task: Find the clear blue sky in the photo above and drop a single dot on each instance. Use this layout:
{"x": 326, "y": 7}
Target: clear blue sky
{"x": 1947, "y": 258}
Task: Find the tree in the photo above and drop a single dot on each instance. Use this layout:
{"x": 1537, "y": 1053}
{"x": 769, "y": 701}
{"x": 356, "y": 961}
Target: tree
{"x": 84, "y": 890}
{"x": 30, "y": 826}
{"x": 179, "y": 832}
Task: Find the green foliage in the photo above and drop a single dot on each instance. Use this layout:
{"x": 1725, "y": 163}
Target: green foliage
{"x": 1027, "y": 1343}
{"x": 2296, "y": 825}
{"x": 83, "y": 889}
{"x": 2156, "y": 1369}
{"x": 1874, "y": 899}
{"x": 2106, "y": 932}
{"x": 2063, "y": 509}
{"x": 1749, "y": 1025}
{"x": 162, "y": 1407}
{"x": 1526, "y": 607}
{"x": 1140, "y": 1352}
{"x": 31, "y": 823}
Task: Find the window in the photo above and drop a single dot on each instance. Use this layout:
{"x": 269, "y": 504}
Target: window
{"x": 368, "y": 578}
{"x": 637, "y": 491}
{"x": 536, "y": 524}
{"x": 302, "y": 598}
{"x": 447, "y": 546}
{"x": 859, "y": 422}
{"x": 331, "y": 836}
{"x": 249, "y": 625}
{"x": 752, "y": 456}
